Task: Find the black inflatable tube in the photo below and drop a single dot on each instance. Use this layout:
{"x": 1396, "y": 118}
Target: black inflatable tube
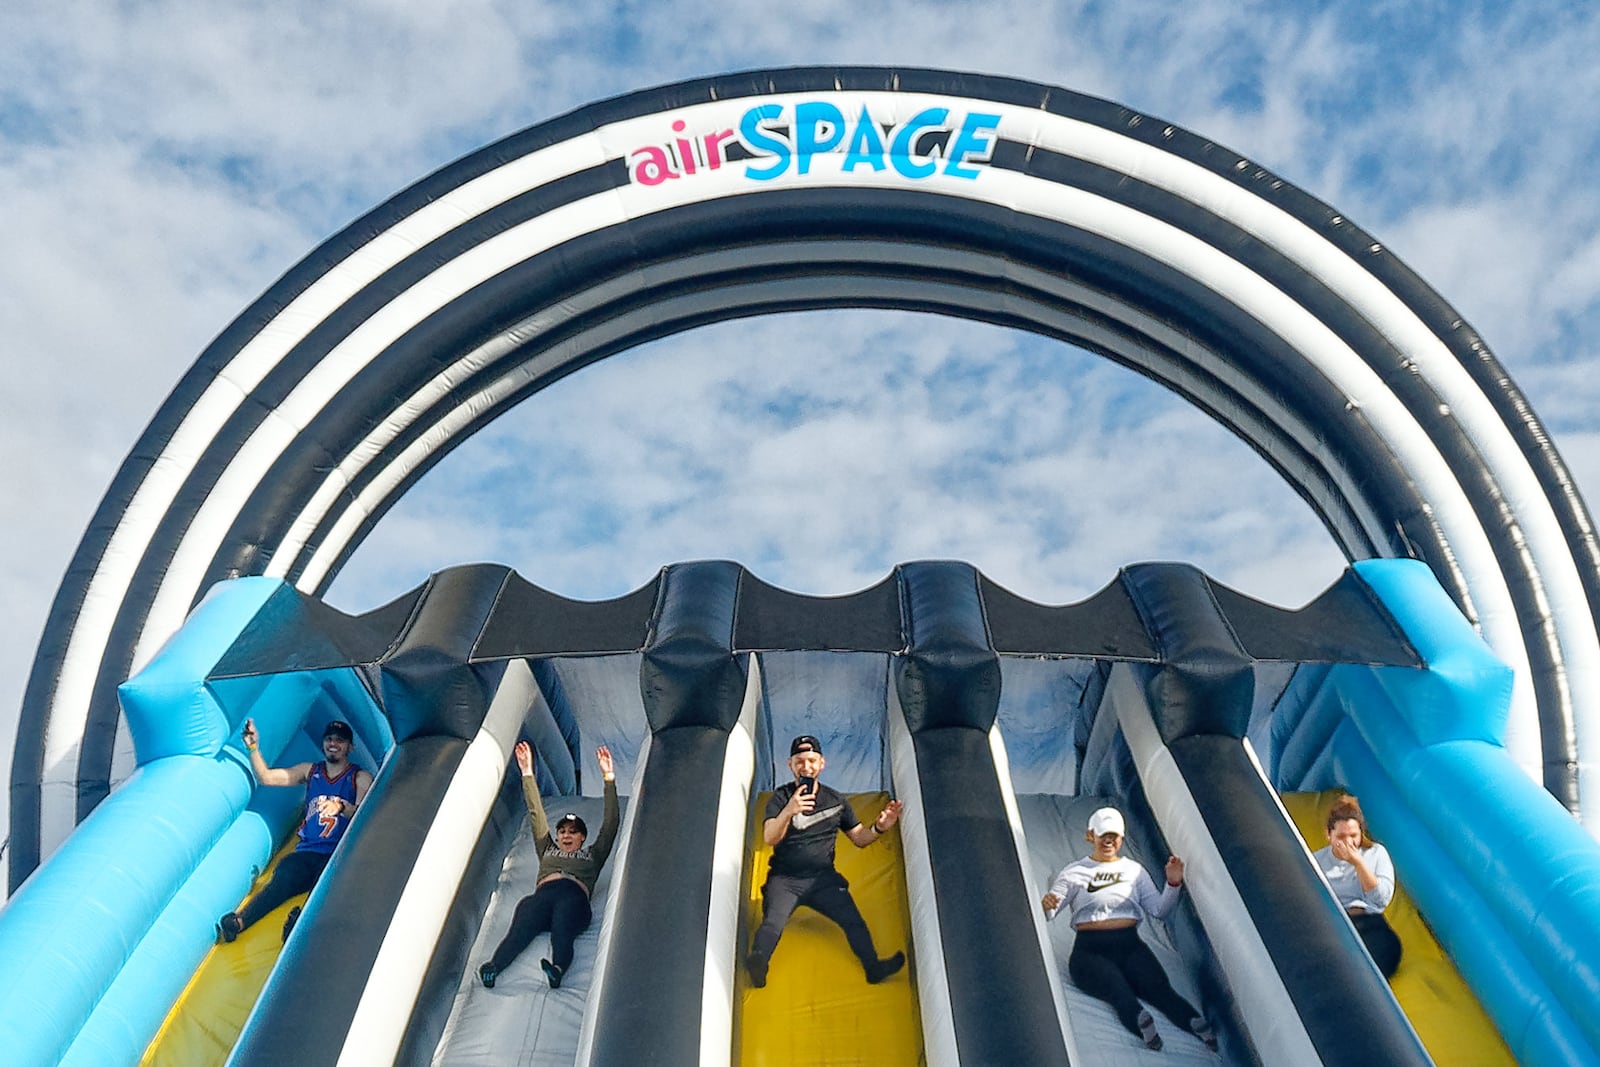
{"x": 650, "y": 1001}
{"x": 948, "y": 684}
{"x": 430, "y": 685}
{"x": 688, "y": 676}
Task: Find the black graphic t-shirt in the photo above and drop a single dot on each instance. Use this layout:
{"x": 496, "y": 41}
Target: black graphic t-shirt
{"x": 808, "y": 848}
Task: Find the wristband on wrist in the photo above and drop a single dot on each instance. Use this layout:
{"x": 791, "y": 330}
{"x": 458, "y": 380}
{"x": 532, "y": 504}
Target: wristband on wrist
{"x": 876, "y": 828}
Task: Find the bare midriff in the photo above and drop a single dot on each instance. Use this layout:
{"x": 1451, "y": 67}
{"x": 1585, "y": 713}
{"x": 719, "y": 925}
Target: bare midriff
{"x": 562, "y": 874}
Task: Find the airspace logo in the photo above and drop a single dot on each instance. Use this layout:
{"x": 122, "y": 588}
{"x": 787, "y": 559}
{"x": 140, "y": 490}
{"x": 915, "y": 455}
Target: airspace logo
{"x": 773, "y": 139}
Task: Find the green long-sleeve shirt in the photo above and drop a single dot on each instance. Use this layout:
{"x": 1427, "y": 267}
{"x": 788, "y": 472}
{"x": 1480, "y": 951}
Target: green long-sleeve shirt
{"x": 583, "y": 865}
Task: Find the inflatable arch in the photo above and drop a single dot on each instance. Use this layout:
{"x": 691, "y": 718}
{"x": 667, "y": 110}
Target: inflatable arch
{"x": 989, "y": 198}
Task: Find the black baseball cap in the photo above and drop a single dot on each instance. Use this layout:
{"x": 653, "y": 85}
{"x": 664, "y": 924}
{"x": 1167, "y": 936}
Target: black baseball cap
{"x": 338, "y": 728}
{"x": 575, "y": 820}
{"x": 805, "y": 743}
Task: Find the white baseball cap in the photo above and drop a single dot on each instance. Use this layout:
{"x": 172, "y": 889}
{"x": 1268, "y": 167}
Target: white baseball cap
{"x": 1107, "y": 821}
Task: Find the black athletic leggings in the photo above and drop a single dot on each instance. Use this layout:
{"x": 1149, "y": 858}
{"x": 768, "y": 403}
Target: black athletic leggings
{"x": 1382, "y": 942}
{"x": 1118, "y": 968}
{"x": 296, "y": 873}
{"x": 827, "y": 893}
{"x": 561, "y": 907}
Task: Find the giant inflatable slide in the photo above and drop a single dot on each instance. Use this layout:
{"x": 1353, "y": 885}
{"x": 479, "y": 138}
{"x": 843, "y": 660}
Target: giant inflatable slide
{"x": 1451, "y": 677}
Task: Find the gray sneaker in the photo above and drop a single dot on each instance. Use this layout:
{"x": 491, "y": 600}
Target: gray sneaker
{"x": 1147, "y": 1030}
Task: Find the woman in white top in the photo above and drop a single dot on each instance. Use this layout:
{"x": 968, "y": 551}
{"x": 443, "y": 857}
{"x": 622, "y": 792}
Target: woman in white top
{"x": 1106, "y": 895}
{"x": 1359, "y": 871}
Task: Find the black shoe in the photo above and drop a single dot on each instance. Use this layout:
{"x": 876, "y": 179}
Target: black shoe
{"x": 757, "y": 969}
{"x": 289, "y": 921}
{"x": 877, "y": 972}
{"x": 487, "y": 974}
{"x": 552, "y": 972}
{"x": 229, "y": 927}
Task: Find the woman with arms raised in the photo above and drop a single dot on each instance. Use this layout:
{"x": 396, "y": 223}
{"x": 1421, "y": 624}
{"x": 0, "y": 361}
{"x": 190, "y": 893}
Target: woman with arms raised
{"x": 568, "y": 870}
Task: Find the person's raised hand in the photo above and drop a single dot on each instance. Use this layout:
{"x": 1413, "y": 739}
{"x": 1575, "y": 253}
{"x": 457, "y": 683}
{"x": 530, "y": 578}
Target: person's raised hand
{"x": 1342, "y": 850}
{"x": 607, "y": 768}
{"x": 251, "y": 740}
{"x": 524, "y": 754}
{"x": 890, "y": 814}
{"x": 1174, "y": 871}
{"x": 1051, "y": 902}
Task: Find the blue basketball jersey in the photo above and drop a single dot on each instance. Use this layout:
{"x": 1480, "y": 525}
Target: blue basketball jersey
{"x": 320, "y": 833}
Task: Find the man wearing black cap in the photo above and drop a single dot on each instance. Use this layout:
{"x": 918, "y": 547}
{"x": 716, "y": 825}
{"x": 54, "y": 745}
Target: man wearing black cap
{"x": 802, "y": 821}
{"x": 335, "y": 787}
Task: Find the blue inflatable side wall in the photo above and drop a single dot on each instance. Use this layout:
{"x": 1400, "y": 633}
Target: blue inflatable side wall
{"x": 1507, "y": 878}
{"x": 172, "y": 849}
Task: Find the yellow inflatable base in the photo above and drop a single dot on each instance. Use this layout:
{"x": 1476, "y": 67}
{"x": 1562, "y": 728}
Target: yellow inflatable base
{"x": 817, "y": 1009}
{"x": 1452, "y": 1024}
{"x": 207, "y": 1018}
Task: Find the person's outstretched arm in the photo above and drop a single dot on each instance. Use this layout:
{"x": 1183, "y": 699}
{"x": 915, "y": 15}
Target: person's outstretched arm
{"x": 864, "y": 834}
{"x": 608, "y": 827}
{"x": 298, "y": 774}
{"x": 530, "y": 795}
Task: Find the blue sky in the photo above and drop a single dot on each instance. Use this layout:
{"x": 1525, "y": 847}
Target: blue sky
{"x": 162, "y": 163}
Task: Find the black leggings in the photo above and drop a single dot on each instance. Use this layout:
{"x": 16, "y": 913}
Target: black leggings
{"x": 827, "y": 893}
{"x": 296, "y": 873}
{"x": 1118, "y": 968}
{"x": 1383, "y": 944}
{"x": 561, "y": 907}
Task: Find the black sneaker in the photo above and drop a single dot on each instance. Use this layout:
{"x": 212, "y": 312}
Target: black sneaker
{"x": 487, "y": 974}
{"x": 229, "y": 927}
{"x": 757, "y": 969}
{"x": 289, "y": 921}
{"x": 884, "y": 968}
{"x": 552, "y": 972}
{"x": 1147, "y": 1030}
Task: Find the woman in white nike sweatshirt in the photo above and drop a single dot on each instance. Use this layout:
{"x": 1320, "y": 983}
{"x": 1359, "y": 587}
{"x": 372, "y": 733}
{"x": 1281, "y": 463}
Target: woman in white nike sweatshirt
{"x": 1106, "y": 896}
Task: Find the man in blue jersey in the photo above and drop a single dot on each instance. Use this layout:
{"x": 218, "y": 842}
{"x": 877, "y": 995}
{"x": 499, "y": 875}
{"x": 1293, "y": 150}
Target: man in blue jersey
{"x": 803, "y": 820}
{"x": 335, "y": 788}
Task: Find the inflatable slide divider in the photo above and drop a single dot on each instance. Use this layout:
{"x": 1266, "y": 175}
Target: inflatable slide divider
{"x": 960, "y": 842}
{"x": 715, "y": 1031}
{"x": 654, "y": 995}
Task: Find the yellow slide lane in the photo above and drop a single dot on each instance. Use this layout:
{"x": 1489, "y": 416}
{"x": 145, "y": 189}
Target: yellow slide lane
{"x": 205, "y": 1022}
{"x": 817, "y": 1008}
{"x": 1447, "y": 1016}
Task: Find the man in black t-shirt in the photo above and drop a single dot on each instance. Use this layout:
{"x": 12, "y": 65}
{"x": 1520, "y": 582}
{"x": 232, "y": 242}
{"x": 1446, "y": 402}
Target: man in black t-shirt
{"x": 802, "y": 820}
